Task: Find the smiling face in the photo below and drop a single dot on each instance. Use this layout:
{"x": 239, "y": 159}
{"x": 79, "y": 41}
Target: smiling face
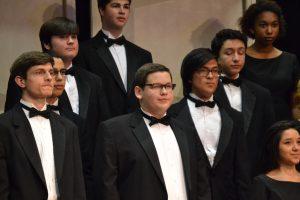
{"x": 155, "y": 100}
{"x": 232, "y": 57}
{"x": 289, "y": 147}
{"x": 266, "y": 28}
{"x": 203, "y": 84}
{"x": 115, "y": 14}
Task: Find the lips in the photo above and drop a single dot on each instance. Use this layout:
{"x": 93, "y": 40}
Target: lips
{"x": 60, "y": 87}
{"x": 121, "y": 19}
{"x": 269, "y": 38}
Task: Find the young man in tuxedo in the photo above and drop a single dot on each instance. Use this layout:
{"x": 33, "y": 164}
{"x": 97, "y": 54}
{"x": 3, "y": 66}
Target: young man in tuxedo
{"x": 113, "y": 58}
{"x": 145, "y": 154}
{"x": 39, "y": 150}
{"x": 253, "y": 101}
{"x": 222, "y": 159}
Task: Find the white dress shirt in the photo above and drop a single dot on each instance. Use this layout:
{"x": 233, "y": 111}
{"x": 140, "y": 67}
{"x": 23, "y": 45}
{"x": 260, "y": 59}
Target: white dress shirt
{"x": 119, "y": 54}
{"x": 42, "y": 133}
{"x": 169, "y": 158}
{"x": 72, "y": 92}
{"x": 208, "y": 125}
{"x": 234, "y": 95}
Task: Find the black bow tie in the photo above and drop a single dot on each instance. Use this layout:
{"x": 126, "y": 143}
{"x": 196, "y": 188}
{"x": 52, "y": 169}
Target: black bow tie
{"x": 199, "y": 103}
{"x": 236, "y": 82}
{"x": 34, "y": 112}
{"x": 70, "y": 71}
{"x": 53, "y": 107}
{"x": 153, "y": 120}
{"x": 119, "y": 41}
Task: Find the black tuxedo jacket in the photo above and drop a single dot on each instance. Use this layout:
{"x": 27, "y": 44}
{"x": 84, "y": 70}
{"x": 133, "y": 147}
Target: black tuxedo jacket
{"x": 126, "y": 162}
{"x": 95, "y": 56}
{"x": 258, "y": 115}
{"x": 228, "y": 178}
{"x": 21, "y": 171}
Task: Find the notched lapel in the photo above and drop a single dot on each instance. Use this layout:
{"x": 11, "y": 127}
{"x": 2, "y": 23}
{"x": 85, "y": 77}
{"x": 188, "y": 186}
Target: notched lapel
{"x": 26, "y": 138}
{"x": 132, "y": 65}
{"x": 104, "y": 53}
{"x": 225, "y": 135}
{"x": 248, "y": 104}
{"x": 58, "y": 137}
{"x": 142, "y": 134}
{"x": 84, "y": 91}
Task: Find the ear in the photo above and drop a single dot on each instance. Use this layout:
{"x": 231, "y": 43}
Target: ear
{"x": 138, "y": 92}
{"x": 47, "y": 46}
{"x": 21, "y": 82}
{"x": 101, "y": 11}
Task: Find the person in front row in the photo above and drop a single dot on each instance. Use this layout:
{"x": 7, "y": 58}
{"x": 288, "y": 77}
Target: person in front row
{"x": 253, "y": 101}
{"x": 281, "y": 178}
{"x": 145, "y": 154}
{"x": 222, "y": 157}
{"x": 39, "y": 150}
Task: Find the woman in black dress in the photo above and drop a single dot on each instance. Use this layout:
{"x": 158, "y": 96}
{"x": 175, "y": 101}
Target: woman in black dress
{"x": 266, "y": 65}
{"x": 281, "y": 180}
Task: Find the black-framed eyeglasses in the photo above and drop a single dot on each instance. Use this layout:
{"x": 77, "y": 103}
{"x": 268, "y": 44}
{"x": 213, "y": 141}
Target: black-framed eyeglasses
{"x": 62, "y": 72}
{"x": 159, "y": 87}
{"x": 204, "y": 72}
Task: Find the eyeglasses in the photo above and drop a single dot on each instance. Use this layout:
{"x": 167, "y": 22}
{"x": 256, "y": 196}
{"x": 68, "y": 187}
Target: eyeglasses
{"x": 62, "y": 72}
{"x": 158, "y": 87}
{"x": 204, "y": 72}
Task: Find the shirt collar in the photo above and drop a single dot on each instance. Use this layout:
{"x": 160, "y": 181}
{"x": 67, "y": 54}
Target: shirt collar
{"x": 30, "y": 105}
{"x": 196, "y": 97}
{"x": 109, "y": 35}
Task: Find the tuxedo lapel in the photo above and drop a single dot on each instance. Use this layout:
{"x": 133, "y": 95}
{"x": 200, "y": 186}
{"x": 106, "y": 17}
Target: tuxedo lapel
{"x": 248, "y": 104}
{"x": 225, "y": 135}
{"x": 184, "y": 151}
{"x": 131, "y": 65}
{"x": 221, "y": 94}
{"x": 58, "y": 137}
{"x": 104, "y": 53}
{"x": 143, "y": 136}
{"x": 84, "y": 91}
{"x": 64, "y": 101}
{"x": 26, "y": 138}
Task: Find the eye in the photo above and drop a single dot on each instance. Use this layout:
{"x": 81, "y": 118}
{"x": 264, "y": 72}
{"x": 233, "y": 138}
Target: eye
{"x": 127, "y": 6}
{"x": 228, "y": 52}
{"x": 262, "y": 25}
{"x": 74, "y": 36}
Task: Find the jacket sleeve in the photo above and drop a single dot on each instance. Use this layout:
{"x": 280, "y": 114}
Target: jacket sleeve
{"x": 4, "y": 178}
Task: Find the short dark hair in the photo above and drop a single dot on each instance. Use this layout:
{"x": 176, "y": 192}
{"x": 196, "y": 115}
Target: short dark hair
{"x": 55, "y": 27}
{"x": 247, "y": 21}
{"x": 102, "y": 3}
{"x": 222, "y": 36}
{"x": 27, "y": 60}
{"x": 192, "y": 62}
{"x": 274, "y": 134}
{"x": 143, "y": 72}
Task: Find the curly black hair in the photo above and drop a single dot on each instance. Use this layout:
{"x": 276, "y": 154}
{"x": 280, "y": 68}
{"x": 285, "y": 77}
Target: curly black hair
{"x": 247, "y": 21}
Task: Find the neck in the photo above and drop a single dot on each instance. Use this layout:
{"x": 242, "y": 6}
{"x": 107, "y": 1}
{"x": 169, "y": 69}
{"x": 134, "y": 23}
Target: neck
{"x": 51, "y": 100}
{"x": 157, "y": 114}
{"x": 114, "y": 32}
{"x": 67, "y": 62}
{"x": 202, "y": 97}
{"x": 38, "y": 103}
{"x": 263, "y": 49}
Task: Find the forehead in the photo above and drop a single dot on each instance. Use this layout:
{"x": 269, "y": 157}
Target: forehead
{"x": 267, "y": 16}
{"x": 290, "y": 133}
{"x": 46, "y": 67}
{"x": 119, "y": 1}
{"x": 159, "y": 77}
{"x": 58, "y": 63}
{"x": 233, "y": 44}
{"x": 210, "y": 64}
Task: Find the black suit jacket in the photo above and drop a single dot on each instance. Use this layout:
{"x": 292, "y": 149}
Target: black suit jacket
{"x": 258, "y": 115}
{"x": 95, "y": 56}
{"x": 126, "y": 162}
{"x": 228, "y": 178}
{"x": 21, "y": 171}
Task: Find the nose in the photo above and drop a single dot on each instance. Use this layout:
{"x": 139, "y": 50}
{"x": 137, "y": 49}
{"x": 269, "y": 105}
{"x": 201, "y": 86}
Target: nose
{"x": 269, "y": 30}
{"x": 163, "y": 90}
{"x": 236, "y": 57}
{"x": 48, "y": 76}
{"x": 70, "y": 39}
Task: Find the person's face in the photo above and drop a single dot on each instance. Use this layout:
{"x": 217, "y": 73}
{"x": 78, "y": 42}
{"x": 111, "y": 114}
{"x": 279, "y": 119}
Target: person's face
{"x": 266, "y": 28}
{"x": 64, "y": 46}
{"x": 289, "y": 147}
{"x": 205, "y": 80}
{"x": 38, "y": 83}
{"x": 156, "y": 99}
{"x": 232, "y": 57}
{"x": 115, "y": 14}
{"x": 59, "y": 78}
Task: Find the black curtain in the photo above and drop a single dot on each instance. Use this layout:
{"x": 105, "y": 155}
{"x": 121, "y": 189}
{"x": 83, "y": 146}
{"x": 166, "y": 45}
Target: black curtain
{"x": 83, "y": 19}
{"x": 291, "y": 41}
